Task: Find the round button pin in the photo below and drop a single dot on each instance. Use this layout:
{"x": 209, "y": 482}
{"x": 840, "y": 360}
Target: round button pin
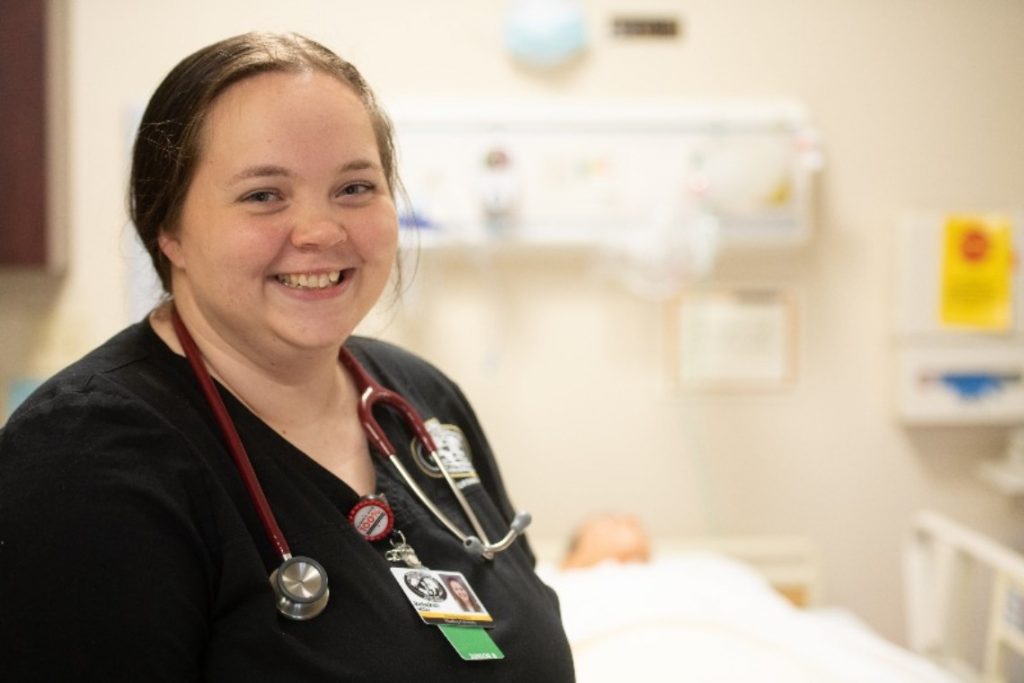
{"x": 372, "y": 517}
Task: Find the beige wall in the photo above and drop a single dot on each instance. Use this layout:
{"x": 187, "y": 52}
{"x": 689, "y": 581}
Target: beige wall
{"x": 920, "y": 104}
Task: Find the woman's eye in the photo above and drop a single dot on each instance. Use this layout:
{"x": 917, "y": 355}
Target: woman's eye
{"x": 260, "y": 197}
{"x": 357, "y": 189}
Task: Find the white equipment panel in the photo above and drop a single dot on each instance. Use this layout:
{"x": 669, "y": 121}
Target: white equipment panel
{"x": 569, "y": 174}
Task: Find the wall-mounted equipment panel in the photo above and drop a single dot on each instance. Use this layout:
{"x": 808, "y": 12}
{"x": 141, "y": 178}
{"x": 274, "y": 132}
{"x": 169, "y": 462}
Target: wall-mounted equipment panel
{"x": 547, "y": 174}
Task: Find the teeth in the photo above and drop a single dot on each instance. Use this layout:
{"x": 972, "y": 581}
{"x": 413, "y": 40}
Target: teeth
{"x": 310, "y": 280}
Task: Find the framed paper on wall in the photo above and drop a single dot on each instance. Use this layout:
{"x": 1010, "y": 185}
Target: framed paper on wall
{"x": 733, "y": 339}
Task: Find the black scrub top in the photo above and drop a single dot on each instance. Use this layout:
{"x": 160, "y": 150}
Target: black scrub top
{"x": 130, "y": 549}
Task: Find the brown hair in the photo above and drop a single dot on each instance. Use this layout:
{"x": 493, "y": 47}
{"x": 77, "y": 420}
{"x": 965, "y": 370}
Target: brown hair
{"x": 167, "y": 145}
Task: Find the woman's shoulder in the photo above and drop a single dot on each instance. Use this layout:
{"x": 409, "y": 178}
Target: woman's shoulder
{"x": 394, "y": 363}
{"x": 127, "y": 374}
{"x": 113, "y": 424}
{"x": 378, "y": 350}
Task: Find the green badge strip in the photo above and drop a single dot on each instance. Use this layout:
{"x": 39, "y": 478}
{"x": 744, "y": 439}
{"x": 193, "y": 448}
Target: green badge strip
{"x": 471, "y": 642}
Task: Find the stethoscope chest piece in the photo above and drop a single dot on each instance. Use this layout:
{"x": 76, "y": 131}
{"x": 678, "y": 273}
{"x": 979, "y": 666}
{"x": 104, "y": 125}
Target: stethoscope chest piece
{"x": 300, "y": 586}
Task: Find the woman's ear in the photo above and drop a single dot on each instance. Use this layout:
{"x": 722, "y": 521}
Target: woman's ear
{"x": 170, "y": 245}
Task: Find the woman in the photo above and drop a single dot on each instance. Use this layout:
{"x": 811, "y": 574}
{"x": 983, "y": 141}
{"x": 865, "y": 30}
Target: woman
{"x": 461, "y": 594}
{"x": 130, "y": 548}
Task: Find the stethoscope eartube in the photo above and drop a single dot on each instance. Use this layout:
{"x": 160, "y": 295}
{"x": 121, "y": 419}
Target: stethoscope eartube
{"x": 300, "y": 586}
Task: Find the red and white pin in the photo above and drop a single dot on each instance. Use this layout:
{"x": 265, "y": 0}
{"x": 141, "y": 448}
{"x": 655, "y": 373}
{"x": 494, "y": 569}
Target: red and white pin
{"x": 372, "y": 517}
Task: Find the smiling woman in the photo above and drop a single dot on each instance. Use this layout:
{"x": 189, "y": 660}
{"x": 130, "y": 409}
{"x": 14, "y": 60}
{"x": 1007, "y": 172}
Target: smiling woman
{"x": 288, "y": 192}
{"x": 191, "y": 455}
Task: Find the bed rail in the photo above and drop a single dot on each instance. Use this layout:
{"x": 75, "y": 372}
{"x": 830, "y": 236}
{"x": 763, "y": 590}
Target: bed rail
{"x": 965, "y": 592}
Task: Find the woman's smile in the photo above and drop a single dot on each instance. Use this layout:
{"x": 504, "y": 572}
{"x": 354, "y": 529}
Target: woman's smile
{"x": 311, "y": 280}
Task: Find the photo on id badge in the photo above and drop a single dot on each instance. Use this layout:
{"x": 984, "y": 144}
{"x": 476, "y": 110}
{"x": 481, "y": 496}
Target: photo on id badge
{"x": 442, "y": 597}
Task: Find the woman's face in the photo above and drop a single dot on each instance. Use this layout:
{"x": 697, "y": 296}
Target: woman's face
{"x": 460, "y": 592}
{"x": 288, "y": 230}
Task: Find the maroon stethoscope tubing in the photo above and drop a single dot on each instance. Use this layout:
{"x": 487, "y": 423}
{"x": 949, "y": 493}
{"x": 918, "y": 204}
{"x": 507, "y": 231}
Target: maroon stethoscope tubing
{"x": 371, "y": 392}
{"x": 234, "y": 442}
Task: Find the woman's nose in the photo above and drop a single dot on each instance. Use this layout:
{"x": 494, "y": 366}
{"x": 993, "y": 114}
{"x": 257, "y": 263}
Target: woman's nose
{"x": 319, "y": 230}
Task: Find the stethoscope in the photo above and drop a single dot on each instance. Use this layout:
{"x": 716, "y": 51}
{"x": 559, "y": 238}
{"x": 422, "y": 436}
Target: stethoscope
{"x": 300, "y": 583}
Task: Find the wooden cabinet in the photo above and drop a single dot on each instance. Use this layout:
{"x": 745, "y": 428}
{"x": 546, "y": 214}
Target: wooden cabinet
{"x": 24, "y": 226}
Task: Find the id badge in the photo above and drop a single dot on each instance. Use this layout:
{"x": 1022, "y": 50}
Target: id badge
{"x": 441, "y": 597}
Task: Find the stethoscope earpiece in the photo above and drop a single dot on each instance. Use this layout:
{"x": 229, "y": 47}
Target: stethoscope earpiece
{"x": 474, "y": 545}
{"x": 487, "y": 549}
{"x": 300, "y": 586}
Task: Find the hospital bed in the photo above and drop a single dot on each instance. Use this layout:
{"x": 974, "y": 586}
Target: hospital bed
{"x": 747, "y": 610}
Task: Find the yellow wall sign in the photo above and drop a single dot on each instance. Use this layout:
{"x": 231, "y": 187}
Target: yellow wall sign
{"x": 977, "y": 265}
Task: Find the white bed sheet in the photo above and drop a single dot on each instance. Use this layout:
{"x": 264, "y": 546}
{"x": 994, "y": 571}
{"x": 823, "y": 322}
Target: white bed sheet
{"x": 701, "y": 617}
